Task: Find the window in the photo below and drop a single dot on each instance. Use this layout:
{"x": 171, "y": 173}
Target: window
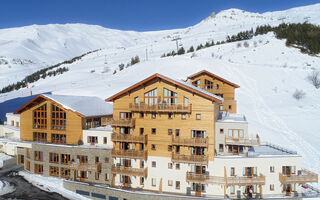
{"x": 196, "y": 83}
{"x": 17, "y": 124}
{"x": 217, "y": 86}
{"x": 230, "y": 107}
{"x": 141, "y": 131}
{"x": 151, "y": 97}
{"x": 198, "y": 134}
{"x": 177, "y": 149}
{"x": 58, "y": 138}
{"x": 97, "y": 159}
{"x": 221, "y": 131}
{"x": 177, "y": 185}
{"x": 54, "y": 171}
{"x": 96, "y": 122}
{"x": 153, "y": 131}
{"x": 97, "y": 175}
{"x": 177, "y": 132}
{"x": 107, "y": 177}
{"x": 232, "y": 172}
{"x": 183, "y": 116}
{"x": 153, "y": 147}
{"x": 38, "y": 169}
{"x": 39, "y": 137}
{"x": 38, "y": 155}
{"x": 221, "y": 107}
{"x": 12, "y": 123}
{"x": 177, "y": 166}
{"x": 58, "y": 118}
{"x": 170, "y": 116}
{"x": 106, "y": 159}
{"x": 169, "y": 131}
{"x": 170, "y": 182}
{"x": 198, "y": 116}
{"x": 40, "y": 117}
{"x": 65, "y": 159}
{"x": 271, "y": 169}
{"x": 20, "y": 159}
{"x": 271, "y": 187}
{"x": 82, "y": 159}
{"x": 125, "y": 115}
{"x": 154, "y": 164}
{"x": 136, "y": 100}
{"x": 169, "y": 147}
{"x": 170, "y": 97}
{"x": 170, "y": 165}
{"x": 141, "y": 115}
{"x": 65, "y": 172}
{"x": 220, "y": 147}
{"x": 141, "y": 180}
{"x": 88, "y": 123}
{"x": 53, "y": 157}
{"x": 185, "y": 101}
{"x": 28, "y": 165}
{"x": 141, "y": 163}
{"x": 92, "y": 139}
{"x": 231, "y": 189}
{"x": 153, "y": 115}
{"x": 208, "y": 84}
{"x": 235, "y": 133}
{"x": 28, "y": 153}
{"x": 105, "y": 140}
{"x": 154, "y": 182}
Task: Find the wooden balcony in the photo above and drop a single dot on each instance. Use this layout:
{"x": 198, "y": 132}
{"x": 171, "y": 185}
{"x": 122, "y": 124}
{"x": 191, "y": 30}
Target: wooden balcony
{"x": 129, "y": 171}
{"x": 213, "y": 90}
{"x": 128, "y": 138}
{"x": 200, "y": 159}
{"x": 134, "y": 154}
{"x": 304, "y": 177}
{"x": 246, "y": 180}
{"x": 160, "y": 108}
{"x": 84, "y": 166}
{"x": 123, "y": 122}
{"x": 231, "y": 180}
{"x": 245, "y": 141}
{"x": 200, "y": 142}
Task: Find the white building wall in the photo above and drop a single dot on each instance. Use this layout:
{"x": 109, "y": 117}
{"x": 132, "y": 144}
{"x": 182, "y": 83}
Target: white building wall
{"x": 100, "y": 133}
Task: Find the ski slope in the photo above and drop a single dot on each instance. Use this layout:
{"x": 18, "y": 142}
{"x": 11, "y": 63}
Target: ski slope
{"x": 267, "y": 71}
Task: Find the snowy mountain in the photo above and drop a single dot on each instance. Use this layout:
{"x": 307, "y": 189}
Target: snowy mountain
{"x": 267, "y": 71}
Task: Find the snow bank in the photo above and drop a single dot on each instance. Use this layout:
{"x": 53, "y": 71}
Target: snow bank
{"x": 50, "y": 184}
{"x": 5, "y": 188}
{"x": 3, "y": 157}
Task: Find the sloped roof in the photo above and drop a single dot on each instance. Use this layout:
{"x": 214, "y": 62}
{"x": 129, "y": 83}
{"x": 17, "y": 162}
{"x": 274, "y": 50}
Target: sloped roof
{"x": 83, "y": 105}
{"x": 179, "y": 83}
{"x": 214, "y": 76}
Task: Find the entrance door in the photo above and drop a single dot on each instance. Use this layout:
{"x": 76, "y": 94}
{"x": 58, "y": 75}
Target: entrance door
{"x": 126, "y": 181}
{"x": 83, "y": 175}
{"x": 249, "y": 190}
{"x": 198, "y": 189}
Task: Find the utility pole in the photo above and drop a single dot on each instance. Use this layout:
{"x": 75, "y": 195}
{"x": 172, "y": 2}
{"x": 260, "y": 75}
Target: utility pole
{"x": 176, "y": 39}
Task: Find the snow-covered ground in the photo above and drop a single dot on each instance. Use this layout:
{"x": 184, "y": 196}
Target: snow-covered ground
{"x": 267, "y": 71}
{"x": 3, "y": 157}
{"x": 50, "y": 184}
{"x": 5, "y": 188}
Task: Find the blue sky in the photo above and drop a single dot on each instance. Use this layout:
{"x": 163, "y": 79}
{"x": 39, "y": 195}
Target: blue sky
{"x": 139, "y": 15}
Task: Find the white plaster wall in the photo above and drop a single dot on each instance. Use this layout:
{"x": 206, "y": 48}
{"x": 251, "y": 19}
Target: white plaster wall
{"x": 100, "y": 134}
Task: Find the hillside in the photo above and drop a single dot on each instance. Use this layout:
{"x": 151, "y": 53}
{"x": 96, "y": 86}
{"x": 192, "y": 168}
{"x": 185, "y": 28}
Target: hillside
{"x": 267, "y": 71}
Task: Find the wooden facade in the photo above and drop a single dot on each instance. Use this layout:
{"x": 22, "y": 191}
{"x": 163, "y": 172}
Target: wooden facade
{"x": 218, "y": 86}
{"x": 199, "y": 114}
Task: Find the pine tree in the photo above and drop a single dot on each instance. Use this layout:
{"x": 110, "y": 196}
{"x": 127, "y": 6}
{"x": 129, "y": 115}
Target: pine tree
{"x": 181, "y": 51}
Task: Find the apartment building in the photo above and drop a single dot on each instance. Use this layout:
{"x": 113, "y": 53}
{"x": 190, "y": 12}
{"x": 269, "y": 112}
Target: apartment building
{"x": 161, "y": 135}
{"x": 179, "y": 137}
{"x": 67, "y": 137}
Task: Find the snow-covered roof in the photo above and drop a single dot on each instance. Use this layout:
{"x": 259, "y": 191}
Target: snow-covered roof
{"x": 12, "y": 114}
{"x": 198, "y": 89}
{"x": 87, "y": 106}
{"x": 271, "y": 150}
{"x": 227, "y": 117}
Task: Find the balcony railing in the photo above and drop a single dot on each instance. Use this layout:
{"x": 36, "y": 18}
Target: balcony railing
{"x": 245, "y": 180}
{"x": 202, "y": 142}
{"x": 161, "y": 108}
{"x": 231, "y": 180}
{"x": 128, "y": 138}
{"x": 142, "y": 154}
{"x": 201, "y": 159}
{"x": 129, "y": 171}
{"x": 249, "y": 141}
{"x": 304, "y": 176}
{"x": 84, "y": 166}
{"x": 123, "y": 122}
{"x": 213, "y": 90}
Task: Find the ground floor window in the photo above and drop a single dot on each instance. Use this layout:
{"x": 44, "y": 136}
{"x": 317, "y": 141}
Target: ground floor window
{"x": 65, "y": 172}
{"x": 38, "y": 169}
{"x": 54, "y": 171}
{"x": 65, "y": 159}
{"x": 20, "y": 159}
